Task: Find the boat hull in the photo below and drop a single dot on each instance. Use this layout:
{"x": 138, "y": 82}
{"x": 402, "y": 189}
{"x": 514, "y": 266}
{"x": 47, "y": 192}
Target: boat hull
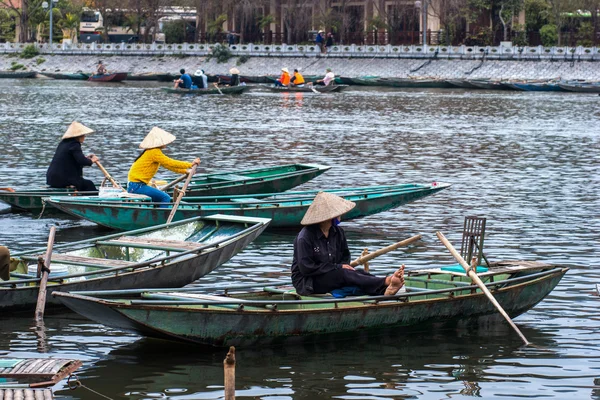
{"x": 259, "y": 180}
{"x": 590, "y": 88}
{"x": 306, "y": 89}
{"x": 251, "y": 326}
{"x": 17, "y": 75}
{"x": 286, "y": 213}
{"x": 116, "y": 77}
{"x": 174, "y": 274}
{"x": 213, "y": 90}
{"x": 78, "y": 76}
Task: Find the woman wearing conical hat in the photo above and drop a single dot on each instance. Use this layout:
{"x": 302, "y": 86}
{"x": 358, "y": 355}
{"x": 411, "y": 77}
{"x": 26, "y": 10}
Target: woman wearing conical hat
{"x": 146, "y": 165}
{"x": 66, "y": 167}
{"x": 322, "y": 259}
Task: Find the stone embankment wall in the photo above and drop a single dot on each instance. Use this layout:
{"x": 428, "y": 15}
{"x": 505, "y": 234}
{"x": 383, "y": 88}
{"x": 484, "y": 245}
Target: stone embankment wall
{"x": 445, "y": 68}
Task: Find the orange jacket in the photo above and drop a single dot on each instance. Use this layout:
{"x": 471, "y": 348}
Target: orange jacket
{"x": 284, "y": 79}
{"x": 299, "y": 78}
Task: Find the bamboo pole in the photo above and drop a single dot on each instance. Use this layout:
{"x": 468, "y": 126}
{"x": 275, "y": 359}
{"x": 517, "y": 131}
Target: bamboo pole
{"x": 110, "y": 178}
{"x": 473, "y": 275}
{"x": 182, "y": 193}
{"x": 366, "y": 264}
{"x": 364, "y": 259}
{"x": 173, "y": 183}
{"x": 217, "y": 86}
{"x": 41, "y": 302}
{"x": 229, "y": 370}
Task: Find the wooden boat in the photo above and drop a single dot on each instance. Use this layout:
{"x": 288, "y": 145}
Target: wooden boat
{"x": 17, "y": 74}
{"x": 161, "y": 256}
{"x": 307, "y": 78}
{"x": 34, "y": 373}
{"x": 535, "y": 86}
{"x": 151, "y": 76}
{"x": 76, "y": 76}
{"x": 369, "y": 80}
{"x": 490, "y": 85}
{"x": 115, "y": 77}
{"x": 593, "y": 87}
{"x": 462, "y": 83}
{"x": 414, "y": 83}
{"x": 285, "y": 211}
{"x": 433, "y": 298}
{"x": 211, "y": 90}
{"x": 321, "y": 89}
{"x": 259, "y": 180}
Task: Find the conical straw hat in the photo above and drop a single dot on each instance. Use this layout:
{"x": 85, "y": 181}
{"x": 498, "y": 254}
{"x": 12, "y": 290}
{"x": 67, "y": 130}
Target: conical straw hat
{"x": 76, "y": 129}
{"x": 285, "y": 70}
{"x": 326, "y": 206}
{"x": 4, "y": 263}
{"x": 156, "y": 138}
{"x": 234, "y": 70}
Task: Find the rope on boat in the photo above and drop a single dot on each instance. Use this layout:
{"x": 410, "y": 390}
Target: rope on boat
{"x": 75, "y": 383}
{"x": 43, "y": 209}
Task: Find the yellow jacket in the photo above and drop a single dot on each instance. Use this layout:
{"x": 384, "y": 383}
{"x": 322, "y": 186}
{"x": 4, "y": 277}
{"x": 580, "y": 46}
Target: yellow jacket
{"x": 146, "y": 166}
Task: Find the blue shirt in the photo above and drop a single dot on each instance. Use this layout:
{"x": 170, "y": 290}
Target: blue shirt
{"x": 187, "y": 81}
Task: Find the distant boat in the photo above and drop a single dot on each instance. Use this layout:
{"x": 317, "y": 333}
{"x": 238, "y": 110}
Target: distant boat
{"x": 150, "y": 76}
{"x": 285, "y": 210}
{"x": 433, "y": 297}
{"x": 592, "y": 87}
{"x": 116, "y": 77}
{"x": 165, "y": 255}
{"x": 211, "y": 90}
{"x": 76, "y": 76}
{"x": 535, "y": 86}
{"x": 490, "y": 85}
{"x": 307, "y": 89}
{"x": 17, "y": 75}
{"x": 462, "y": 83}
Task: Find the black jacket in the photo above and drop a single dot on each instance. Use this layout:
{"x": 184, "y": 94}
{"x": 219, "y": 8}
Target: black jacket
{"x": 315, "y": 254}
{"x": 67, "y": 164}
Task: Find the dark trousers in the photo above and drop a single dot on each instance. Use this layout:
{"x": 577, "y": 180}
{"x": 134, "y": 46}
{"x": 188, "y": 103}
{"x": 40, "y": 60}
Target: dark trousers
{"x": 82, "y": 185}
{"x": 339, "y": 278}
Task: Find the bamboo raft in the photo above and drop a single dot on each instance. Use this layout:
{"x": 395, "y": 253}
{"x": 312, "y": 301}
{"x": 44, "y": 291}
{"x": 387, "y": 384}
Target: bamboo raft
{"x": 29, "y": 373}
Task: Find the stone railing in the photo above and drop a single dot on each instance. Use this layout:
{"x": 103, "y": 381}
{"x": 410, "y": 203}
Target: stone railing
{"x": 344, "y": 51}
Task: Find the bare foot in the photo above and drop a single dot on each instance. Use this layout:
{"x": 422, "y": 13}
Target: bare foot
{"x": 396, "y": 282}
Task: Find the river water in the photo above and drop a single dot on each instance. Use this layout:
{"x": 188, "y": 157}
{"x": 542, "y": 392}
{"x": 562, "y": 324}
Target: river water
{"x": 529, "y": 162}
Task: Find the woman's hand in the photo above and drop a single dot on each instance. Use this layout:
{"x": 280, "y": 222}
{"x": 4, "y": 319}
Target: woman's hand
{"x": 196, "y": 161}
{"x": 94, "y": 158}
{"x": 346, "y": 266}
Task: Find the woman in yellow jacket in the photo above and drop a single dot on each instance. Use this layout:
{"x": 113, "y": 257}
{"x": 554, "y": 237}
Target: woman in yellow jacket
{"x": 146, "y": 165}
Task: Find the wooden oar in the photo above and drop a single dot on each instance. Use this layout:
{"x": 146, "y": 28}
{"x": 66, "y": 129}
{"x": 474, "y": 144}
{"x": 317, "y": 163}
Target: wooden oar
{"x": 182, "y": 193}
{"x": 370, "y": 256}
{"x": 473, "y": 275}
{"x": 217, "y": 86}
{"x": 41, "y": 302}
{"x": 8, "y": 189}
{"x": 110, "y": 178}
{"x": 173, "y": 183}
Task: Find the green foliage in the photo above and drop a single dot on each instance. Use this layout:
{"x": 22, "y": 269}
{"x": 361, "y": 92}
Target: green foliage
{"x": 220, "y": 52}
{"x": 483, "y": 37}
{"x": 536, "y": 14}
{"x": 29, "y": 51}
{"x": 213, "y": 28}
{"x": 266, "y": 21}
{"x": 549, "y": 35}
{"x": 40, "y": 60}
{"x": 16, "y": 66}
{"x": 174, "y": 31}
{"x": 585, "y": 34}
{"x": 242, "y": 59}
{"x": 7, "y": 24}
{"x": 377, "y": 23}
{"x": 519, "y": 37}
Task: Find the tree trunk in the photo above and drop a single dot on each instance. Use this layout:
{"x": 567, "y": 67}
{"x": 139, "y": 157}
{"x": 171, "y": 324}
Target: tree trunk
{"x": 23, "y": 22}
{"x": 503, "y": 23}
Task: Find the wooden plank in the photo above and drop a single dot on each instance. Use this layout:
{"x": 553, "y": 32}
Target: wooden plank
{"x": 47, "y": 368}
{"x": 90, "y": 261}
{"x": 19, "y": 368}
{"x": 146, "y": 242}
{"x": 28, "y": 394}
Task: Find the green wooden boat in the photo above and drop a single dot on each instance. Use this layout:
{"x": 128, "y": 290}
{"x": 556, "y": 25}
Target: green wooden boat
{"x": 160, "y": 256}
{"x": 278, "y": 316}
{"x": 285, "y": 211}
{"x": 260, "y": 180}
{"x": 150, "y": 76}
{"x": 321, "y": 89}
{"x": 17, "y": 74}
{"x": 210, "y": 90}
{"x": 77, "y": 76}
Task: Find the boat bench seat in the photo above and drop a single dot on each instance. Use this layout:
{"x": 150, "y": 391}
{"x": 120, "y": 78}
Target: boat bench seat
{"x": 155, "y": 244}
{"x": 233, "y": 177}
{"x": 89, "y": 261}
{"x": 246, "y": 200}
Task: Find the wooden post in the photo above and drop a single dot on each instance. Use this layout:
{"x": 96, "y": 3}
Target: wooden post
{"x": 110, "y": 178}
{"x": 366, "y": 264}
{"x": 182, "y": 193}
{"x": 473, "y": 275}
{"x": 229, "y": 369}
{"x": 370, "y": 256}
{"x": 41, "y": 302}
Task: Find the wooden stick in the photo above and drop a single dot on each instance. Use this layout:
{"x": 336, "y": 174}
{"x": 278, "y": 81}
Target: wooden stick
{"x": 362, "y": 260}
{"x": 473, "y": 275}
{"x": 182, "y": 193}
{"x": 41, "y": 302}
{"x": 217, "y": 86}
{"x": 366, "y": 264}
{"x": 8, "y": 189}
{"x": 173, "y": 183}
{"x": 229, "y": 370}
{"x": 110, "y": 178}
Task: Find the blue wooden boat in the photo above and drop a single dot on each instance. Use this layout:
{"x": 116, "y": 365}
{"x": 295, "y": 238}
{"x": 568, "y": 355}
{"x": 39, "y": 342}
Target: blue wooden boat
{"x": 285, "y": 211}
{"x": 160, "y": 256}
{"x": 536, "y": 86}
{"x": 434, "y": 297}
